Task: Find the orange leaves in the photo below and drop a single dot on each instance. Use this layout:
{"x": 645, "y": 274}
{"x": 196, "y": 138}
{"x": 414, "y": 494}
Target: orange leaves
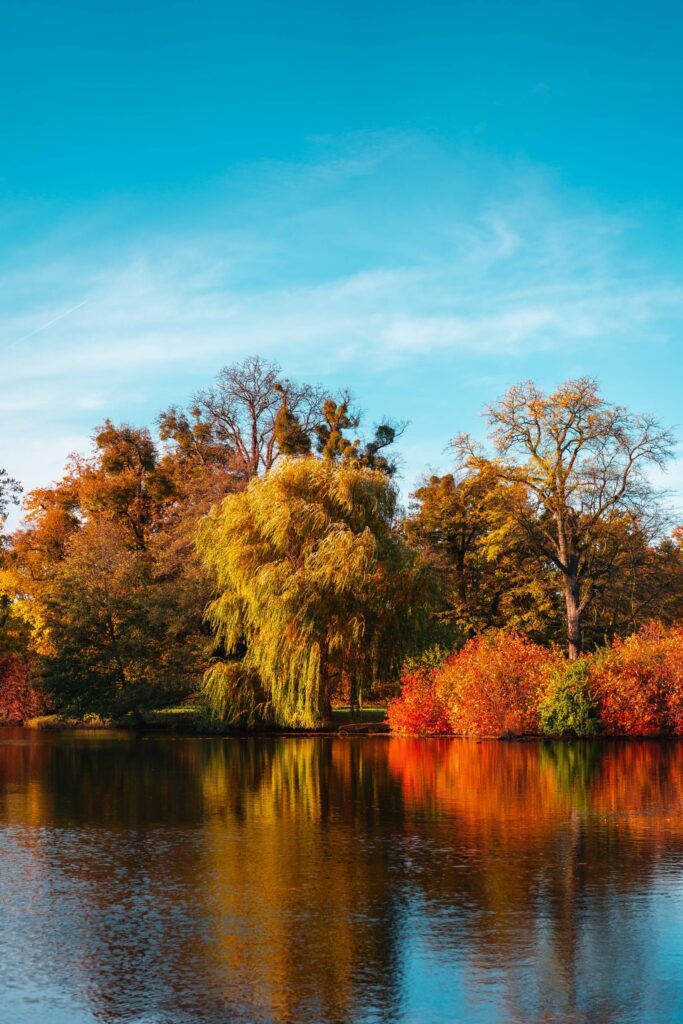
{"x": 491, "y": 687}
{"x": 418, "y": 711}
{"x": 498, "y": 682}
{"x": 638, "y": 683}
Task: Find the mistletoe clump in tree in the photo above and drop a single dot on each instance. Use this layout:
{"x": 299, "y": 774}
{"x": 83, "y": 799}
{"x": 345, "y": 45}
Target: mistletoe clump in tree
{"x": 317, "y": 591}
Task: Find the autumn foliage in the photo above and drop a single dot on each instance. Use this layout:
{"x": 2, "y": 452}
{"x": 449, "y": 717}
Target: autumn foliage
{"x": 19, "y": 697}
{"x": 250, "y": 550}
{"x": 638, "y": 683}
{"x": 501, "y": 683}
{"x": 419, "y": 711}
{"x": 491, "y": 687}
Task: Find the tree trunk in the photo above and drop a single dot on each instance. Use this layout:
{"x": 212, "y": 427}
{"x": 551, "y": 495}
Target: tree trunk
{"x": 571, "y": 596}
{"x": 111, "y": 629}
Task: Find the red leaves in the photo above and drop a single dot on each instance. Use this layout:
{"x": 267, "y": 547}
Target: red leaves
{"x": 19, "y": 698}
{"x": 490, "y": 687}
{"x": 493, "y": 685}
{"x": 418, "y": 711}
{"x": 496, "y": 683}
{"x": 638, "y": 683}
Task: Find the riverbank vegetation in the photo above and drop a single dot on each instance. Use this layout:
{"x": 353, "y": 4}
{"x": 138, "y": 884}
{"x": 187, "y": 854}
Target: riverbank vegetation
{"x": 250, "y": 553}
{"x": 502, "y": 684}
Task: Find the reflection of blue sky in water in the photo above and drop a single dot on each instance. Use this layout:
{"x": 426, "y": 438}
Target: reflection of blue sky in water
{"x": 627, "y": 968}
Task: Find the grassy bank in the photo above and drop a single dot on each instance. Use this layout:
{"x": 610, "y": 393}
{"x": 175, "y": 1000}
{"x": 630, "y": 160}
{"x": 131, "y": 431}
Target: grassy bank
{"x": 189, "y": 719}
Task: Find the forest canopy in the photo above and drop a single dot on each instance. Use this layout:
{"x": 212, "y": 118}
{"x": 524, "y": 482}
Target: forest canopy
{"x": 251, "y": 548}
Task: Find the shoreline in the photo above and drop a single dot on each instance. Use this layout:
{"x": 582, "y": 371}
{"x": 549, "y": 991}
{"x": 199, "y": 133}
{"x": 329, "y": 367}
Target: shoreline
{"x": 347, "y": 731}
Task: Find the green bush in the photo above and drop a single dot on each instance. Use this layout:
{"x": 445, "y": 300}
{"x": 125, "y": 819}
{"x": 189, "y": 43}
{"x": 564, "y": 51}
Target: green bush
{"x": 568, "y": 708}
{"x": 432, "y": 657}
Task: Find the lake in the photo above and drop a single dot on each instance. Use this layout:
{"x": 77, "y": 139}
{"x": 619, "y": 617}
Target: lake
{"x": 158, "y": 880}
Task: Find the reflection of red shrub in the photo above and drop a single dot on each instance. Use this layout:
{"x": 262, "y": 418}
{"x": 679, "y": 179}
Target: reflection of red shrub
{"x": 493, "y": 685}
{"x": 418, "y": 711}
{"x": 638, "y": 683}
{"x": 19, "y": 698}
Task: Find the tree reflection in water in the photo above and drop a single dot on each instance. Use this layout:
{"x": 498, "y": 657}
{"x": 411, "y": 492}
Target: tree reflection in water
{"x": 339, "y": 880}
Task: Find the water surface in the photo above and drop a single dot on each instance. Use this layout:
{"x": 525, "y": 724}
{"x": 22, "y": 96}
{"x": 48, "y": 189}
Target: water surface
{"x": 169, "y": 880}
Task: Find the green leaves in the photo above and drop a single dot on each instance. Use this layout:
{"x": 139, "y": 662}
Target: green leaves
{"x": 568, "y": 708}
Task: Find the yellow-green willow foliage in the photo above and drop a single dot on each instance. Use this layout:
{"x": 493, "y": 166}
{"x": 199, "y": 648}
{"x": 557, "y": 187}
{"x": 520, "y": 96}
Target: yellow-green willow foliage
{"x": 315, "y": 583}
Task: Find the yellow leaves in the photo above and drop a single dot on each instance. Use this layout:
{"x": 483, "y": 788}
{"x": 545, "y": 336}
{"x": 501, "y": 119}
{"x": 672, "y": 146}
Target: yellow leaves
{"x": 313, "y": 579}
{"x": 9, "y": 583}
{"x": 26, "y": 609}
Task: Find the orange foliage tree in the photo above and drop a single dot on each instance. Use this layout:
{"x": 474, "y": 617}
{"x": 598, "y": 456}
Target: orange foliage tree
{"x": 579, "y": 461}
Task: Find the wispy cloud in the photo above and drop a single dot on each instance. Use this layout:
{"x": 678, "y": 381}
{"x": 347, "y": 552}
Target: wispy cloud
{"x": 365, "y": 262}
{"x": 53, "y": 320}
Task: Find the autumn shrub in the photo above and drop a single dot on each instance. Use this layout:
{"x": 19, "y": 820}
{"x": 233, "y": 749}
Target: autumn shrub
{"x": 423, "y": 661}
{"x": 493, "y": 686}
{"x": 20, "y": 697}
{"x": 502, "y": 683}
{"x": 638, "y": 683}
{"x": 418, "y": 711}
{"x": 568, "y": 707}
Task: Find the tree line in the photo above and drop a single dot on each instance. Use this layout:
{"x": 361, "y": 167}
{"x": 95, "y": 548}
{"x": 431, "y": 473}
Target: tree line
{"x": 253, "y": 547}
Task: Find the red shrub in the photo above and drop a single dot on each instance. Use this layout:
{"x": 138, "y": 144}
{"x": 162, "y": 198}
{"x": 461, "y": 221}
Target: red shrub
{"x": 19, "y": 698}
{"x": 497, "y": 683}
{"x": 493, "y": 685}
{"x": 638, "y": 683}
{"x": 418, "y": 711}
{"x": 490, "y": 687}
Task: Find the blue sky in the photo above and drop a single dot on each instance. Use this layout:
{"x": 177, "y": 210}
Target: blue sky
{"x": 426, "y": 202}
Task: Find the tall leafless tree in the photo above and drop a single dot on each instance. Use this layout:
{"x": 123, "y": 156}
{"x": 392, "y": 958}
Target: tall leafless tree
{"x": 235, "y": 418}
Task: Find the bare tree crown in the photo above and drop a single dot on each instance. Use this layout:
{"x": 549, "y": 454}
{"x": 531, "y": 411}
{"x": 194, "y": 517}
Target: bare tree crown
{"x": 572, "y": 449}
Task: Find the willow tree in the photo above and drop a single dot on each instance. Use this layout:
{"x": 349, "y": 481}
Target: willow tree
{"x": 317, "y": 593}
